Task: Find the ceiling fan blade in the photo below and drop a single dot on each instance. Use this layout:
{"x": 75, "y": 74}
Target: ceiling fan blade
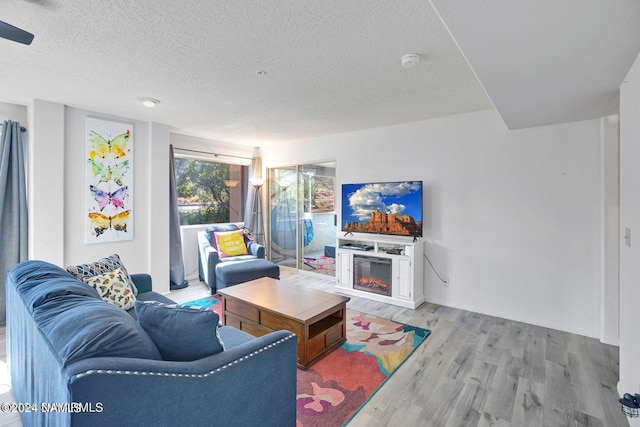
{"x": 14, "y": 33}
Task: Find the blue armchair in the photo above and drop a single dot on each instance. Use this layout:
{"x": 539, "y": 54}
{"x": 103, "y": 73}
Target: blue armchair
{"x": 219, "y": 272}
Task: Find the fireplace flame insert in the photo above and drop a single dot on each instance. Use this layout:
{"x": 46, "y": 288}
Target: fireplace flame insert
{"x": 372, "y": 274}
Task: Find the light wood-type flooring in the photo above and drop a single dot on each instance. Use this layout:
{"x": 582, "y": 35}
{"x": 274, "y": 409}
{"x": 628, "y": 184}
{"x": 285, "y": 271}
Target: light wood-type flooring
{"x": 473, "y": 370}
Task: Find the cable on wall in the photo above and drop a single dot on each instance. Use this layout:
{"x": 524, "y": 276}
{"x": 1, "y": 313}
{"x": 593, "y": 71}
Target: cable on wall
{"x": 445, "y": 280}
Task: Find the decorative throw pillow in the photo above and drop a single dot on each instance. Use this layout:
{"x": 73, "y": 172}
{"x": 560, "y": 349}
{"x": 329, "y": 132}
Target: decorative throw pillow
{"x": 113, "y": 288}
{"x": 180, "y": 333}
{"x": 101, "y": 266}
{"x": 219, "y": 228}
{"x": 230, "y": 243}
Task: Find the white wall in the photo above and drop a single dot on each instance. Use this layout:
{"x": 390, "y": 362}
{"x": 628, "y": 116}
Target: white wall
{"x": 57, "y": 192}
{"x": 148, "y": 251}
{"x": 157, "y": 216}
{"x": 15, "y": 113}
{"x": 190, "y": 254}
{"x": 610, "y": 229}
{"x": 46, "y": 186}
{"x": 630, "y": 218}
{"x": 511, "y": 217}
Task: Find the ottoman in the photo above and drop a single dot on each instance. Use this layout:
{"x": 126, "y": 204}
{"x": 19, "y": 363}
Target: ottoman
{"x": 231, "y": 273}
{"x": 330, "y": 251}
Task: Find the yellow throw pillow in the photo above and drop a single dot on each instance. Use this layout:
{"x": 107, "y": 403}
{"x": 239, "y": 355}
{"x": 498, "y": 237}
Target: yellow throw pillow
{"x": 230, "y": 243}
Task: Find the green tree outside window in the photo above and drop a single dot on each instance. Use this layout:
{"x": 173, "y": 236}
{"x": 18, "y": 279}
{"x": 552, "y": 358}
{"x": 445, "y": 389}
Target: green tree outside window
{"x": 203, "y": 196}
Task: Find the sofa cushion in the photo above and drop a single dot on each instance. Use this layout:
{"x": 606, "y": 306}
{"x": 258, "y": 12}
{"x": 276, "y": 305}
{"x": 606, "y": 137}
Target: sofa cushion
{"x": 113, "y": 288}
{"x": 230, "y": 243}
{"x": 79, "y": 327}
{"x": 180, "y": 333}
{"x": 40, "y": 281}
{"x": 103, "y": 265}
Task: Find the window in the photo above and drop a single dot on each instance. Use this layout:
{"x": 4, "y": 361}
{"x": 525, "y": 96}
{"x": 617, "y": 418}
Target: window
{"x": 210, "y": 192}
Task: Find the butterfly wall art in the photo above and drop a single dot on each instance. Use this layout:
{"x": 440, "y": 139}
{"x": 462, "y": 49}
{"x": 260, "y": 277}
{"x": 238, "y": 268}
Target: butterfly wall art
{"x": 102, "y": 223}
{"x": 104, "y": 198}
{"x": 108, "y": 181}
{"x": 108, "y": 172}
{"x": 103, "y": 147}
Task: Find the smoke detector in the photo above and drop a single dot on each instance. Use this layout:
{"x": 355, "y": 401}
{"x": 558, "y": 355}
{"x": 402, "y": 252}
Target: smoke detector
{"x": 410, "y": 60}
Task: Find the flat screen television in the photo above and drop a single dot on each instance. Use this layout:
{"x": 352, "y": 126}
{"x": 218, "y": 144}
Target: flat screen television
{"x": 383, "y": 208}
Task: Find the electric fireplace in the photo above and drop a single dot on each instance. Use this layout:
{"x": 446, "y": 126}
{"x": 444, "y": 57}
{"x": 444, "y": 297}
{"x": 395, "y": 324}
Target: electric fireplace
{"x": 372, "y": 274}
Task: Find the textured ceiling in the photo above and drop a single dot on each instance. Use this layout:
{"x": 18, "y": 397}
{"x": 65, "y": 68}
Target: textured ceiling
{"x": 331, "y": 66}
{"x": 547, "y": 61}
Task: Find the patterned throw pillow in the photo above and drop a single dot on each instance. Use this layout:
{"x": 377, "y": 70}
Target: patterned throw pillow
{"x": 113, "y": 288}
{"x": 230, "y": 243}
{"x": 101, "y": 266}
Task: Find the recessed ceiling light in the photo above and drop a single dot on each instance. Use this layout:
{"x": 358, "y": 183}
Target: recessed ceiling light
{"x": 410, "y": 60}
{"x": 149, "y": 102}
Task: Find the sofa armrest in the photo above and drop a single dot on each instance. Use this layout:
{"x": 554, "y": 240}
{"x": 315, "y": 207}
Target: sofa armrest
{"x": 227, "y": 388}
{"x": 208, "y": 258}
{"x": 142, "y": 282}
{"x": 256, "y": 249}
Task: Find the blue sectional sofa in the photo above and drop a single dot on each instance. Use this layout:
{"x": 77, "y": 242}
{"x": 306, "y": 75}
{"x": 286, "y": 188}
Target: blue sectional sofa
{"x": 98, "y": 367}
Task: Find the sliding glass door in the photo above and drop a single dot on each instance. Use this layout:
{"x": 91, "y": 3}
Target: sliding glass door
{"x": 318, "y": 215}
{"x": 283, "y": 224}
{"x": 302, "y": 217}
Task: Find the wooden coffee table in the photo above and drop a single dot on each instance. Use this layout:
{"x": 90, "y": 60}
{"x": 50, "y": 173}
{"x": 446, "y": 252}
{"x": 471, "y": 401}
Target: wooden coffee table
{"x": 266, "y": 305}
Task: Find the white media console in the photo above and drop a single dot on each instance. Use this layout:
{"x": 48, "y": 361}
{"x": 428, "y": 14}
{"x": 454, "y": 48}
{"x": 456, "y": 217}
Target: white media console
{"x": 381, "y": 268}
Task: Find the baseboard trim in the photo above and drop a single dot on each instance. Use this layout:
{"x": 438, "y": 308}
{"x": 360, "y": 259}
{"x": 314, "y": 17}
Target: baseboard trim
{"x": 610, "y": 341}
{"x": 510, "y": 316}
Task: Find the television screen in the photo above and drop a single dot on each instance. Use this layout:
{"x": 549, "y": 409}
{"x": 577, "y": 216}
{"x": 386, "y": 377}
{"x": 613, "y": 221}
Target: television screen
{"x": 383, "y": 208}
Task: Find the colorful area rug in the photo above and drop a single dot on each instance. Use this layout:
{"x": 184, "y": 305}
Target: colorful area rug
{"x": 335, "y": 387}
{"x": 207, "y": 302}
{"x": 323, "y": 264}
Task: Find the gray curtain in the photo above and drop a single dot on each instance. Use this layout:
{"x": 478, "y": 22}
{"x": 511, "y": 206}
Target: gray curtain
{"x": 176, "y": 263}
{"x": 13, "y": 203}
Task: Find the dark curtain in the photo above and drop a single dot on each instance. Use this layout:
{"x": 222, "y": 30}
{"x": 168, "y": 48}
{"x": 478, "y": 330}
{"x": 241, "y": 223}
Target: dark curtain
{"x": 13, "y": 203}
{"x": 176, "y": 263}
